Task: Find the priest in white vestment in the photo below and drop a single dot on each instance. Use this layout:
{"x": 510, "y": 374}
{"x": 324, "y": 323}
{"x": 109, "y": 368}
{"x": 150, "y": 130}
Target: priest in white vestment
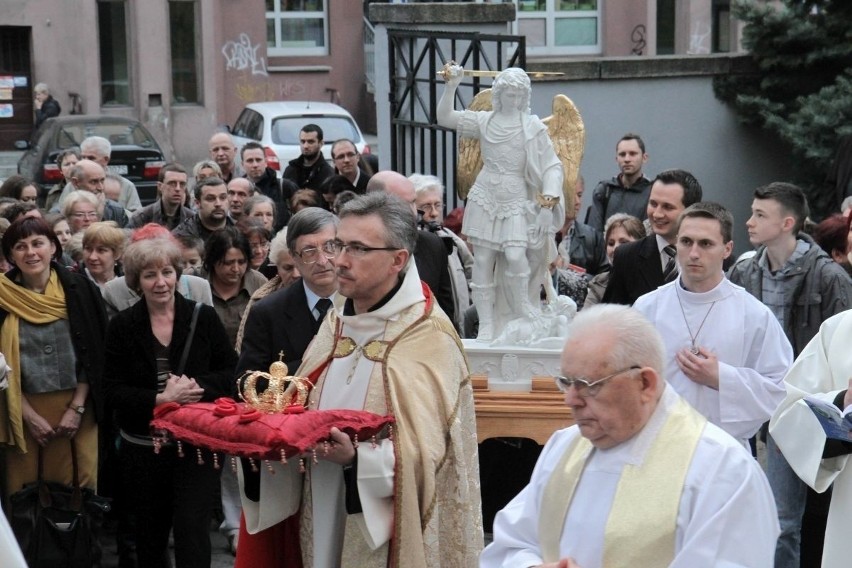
{"x": 642, "y": 479}
{"x": 823, "y": 370}
{"x": 411, "y": 500}
{"x": 726, "y": 353}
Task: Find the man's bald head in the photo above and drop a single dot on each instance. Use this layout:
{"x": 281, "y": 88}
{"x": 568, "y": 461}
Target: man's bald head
{"x": 88, "y": 175}
{"x": 395, "y": 184}
{"x": 223, "y": 151}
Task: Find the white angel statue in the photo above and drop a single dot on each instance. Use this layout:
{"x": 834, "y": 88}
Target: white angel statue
{"x": 514, "y": 207}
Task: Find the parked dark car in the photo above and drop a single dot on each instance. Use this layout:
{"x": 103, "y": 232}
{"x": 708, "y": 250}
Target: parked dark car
{"x": 135, "y": 153}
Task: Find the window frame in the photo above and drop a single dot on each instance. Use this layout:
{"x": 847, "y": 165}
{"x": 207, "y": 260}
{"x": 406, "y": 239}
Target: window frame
{"x": 196, "y": 37}
{"x": 128, "y": 62}
{"x": 277, "y": 15}
{"x": 550, "y": 15}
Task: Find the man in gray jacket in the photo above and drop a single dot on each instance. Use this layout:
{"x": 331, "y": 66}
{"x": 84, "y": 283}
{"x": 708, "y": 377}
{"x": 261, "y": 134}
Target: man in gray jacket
{"x": 803, "y": 287}
{"x": 627, "y": 192}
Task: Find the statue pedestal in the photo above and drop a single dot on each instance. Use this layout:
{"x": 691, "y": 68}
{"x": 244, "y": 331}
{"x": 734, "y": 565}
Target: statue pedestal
{"x": 511, "y": 368}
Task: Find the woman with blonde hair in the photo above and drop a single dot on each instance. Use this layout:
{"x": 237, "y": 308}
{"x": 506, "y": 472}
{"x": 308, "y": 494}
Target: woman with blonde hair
{"x": 155, "y": 354}
{"x": 619, "y": 229}
{"x": 81, "y": 210}
{"x": 103, "y": 244}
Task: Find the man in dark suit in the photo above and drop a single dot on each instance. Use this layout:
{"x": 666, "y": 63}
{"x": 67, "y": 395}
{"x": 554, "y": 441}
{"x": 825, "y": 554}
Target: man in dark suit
{"x": 287, "y": 320}
{"x": 430, "y": 254}
{"x": 347, "y": 162}
{"x": 642, "y": 266}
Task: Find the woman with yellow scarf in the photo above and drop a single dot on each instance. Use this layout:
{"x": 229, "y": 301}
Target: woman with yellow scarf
{"x": 52, "y": 331}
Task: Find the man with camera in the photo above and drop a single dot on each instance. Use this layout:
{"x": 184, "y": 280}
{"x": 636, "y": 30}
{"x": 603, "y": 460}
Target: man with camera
{"x": 429, "y": 199}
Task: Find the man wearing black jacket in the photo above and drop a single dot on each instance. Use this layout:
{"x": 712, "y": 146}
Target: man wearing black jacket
{"x": 310, "y": 169}
{"x": 265, "y": 180}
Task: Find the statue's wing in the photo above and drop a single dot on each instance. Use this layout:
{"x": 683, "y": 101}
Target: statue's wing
{"x": 568, "y": 135}
{"x": 470, "y": 157}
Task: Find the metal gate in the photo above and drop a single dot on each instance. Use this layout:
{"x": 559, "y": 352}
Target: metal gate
{"x": 417, "y": 143}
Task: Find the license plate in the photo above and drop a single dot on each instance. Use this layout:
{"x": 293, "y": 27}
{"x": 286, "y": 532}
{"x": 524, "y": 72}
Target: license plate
{"x": 118, "y": 169}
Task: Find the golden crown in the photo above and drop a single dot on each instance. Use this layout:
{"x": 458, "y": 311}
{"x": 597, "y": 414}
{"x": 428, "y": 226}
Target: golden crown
{"x": 283, "y": 391}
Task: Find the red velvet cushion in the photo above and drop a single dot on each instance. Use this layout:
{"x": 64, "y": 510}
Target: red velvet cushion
{"x": 234, "y": 428}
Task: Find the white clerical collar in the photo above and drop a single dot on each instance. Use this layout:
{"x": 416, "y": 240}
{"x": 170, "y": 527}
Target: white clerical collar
{"x": 408, "y": 294}
{"x": 721, "y": 291}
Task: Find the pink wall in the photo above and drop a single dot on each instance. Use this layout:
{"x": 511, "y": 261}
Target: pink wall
{"x": 618, "y": 25}
{"x": 290, "y": 78}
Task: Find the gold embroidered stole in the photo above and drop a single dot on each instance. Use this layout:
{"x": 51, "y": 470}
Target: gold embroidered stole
{"x": 640, "y": 530}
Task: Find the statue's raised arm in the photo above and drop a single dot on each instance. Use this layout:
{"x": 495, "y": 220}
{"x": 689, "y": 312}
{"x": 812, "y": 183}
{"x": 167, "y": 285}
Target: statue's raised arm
{"x": 447, "y": 116}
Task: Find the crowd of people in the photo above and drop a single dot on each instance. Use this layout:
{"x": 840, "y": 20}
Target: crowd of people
{"x": 364, "y": 281}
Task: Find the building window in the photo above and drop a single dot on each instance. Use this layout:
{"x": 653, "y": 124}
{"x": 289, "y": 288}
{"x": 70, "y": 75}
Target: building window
{"x": 665, "y": 27}
{"x": 115, "y": 66}
{"x": 560, "y": 27}
{"x": 721, "y": 26}
{"x": 183, "y": 20}
{"x": 296, "y": 27}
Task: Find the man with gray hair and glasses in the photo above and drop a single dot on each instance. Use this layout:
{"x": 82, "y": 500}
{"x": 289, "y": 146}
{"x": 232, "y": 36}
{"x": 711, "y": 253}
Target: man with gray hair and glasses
{"x": 98, "y": 149}
{"x": 287, "y": 320}
{"x": 411, "y": 499}
{"x": 641, "y": 479}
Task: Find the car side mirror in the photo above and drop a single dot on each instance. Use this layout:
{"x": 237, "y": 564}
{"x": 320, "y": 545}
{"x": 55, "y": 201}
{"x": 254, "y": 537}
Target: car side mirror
{"x": 22, "y": 145}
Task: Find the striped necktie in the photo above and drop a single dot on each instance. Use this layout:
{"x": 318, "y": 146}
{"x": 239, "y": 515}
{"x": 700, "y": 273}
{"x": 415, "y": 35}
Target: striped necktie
{"x": 670, "y": 271}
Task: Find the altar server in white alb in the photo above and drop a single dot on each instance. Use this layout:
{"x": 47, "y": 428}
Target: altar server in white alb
{"x": 726, "y": 353}
{"x": 822, "y": 370}
{"x": 642, "y": 479}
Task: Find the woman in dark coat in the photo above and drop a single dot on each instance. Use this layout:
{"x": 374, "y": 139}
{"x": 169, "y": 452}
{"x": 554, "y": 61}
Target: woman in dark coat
{"x": 52, "y": 329}
{"x": 144, "y": 349}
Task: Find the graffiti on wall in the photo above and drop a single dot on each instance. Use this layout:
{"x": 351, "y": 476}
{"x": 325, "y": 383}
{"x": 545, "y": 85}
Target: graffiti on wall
{"x": 253, "y": 91}
{"x": 637, "y": 36}
{"x": 241, "y": 55}
{"x": 250, "y": 92}
{"x": 292, "y": 89}
{"x": 699, "y": 38}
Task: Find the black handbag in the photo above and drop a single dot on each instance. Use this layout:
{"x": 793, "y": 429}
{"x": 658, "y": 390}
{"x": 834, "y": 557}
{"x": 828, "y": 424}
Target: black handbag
{"x": 57, "y": 525}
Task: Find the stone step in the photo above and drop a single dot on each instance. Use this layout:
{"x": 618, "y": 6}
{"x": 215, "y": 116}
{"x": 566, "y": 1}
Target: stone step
{"x": 9, "y": 164}
{"x": 10, "y": 158}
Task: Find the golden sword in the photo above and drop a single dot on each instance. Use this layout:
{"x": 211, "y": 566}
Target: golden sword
{"x": 445, "y": 73}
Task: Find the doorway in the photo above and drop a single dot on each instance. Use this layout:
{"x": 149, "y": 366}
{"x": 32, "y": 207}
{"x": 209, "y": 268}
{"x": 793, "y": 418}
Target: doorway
{"x": 16, "y": 88}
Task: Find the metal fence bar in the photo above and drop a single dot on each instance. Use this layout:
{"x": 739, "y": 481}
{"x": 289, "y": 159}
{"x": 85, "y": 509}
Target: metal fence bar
{"x": 417, "y": 143}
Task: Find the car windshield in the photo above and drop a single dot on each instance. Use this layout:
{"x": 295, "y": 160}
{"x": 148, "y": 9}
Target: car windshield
{"x": 118, "y": 133}
{"x": 285, "y": 130}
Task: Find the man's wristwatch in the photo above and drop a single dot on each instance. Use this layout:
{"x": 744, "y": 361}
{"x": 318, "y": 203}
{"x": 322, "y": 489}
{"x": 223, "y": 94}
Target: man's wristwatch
{"x": 81, "y": 410}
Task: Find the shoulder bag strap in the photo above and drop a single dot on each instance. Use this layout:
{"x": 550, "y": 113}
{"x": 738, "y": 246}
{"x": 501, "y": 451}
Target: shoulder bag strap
{"x": 185, "y": 355}
{"x": 45, "y": 498}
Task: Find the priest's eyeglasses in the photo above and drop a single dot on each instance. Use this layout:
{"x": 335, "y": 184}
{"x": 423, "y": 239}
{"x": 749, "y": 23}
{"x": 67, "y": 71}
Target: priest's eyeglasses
{"x": 310, "y": 255}
{"x": 585, "y": 387}
{"x": 356, "y": 249}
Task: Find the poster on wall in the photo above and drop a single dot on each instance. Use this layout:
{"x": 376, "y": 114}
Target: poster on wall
{"x": 5, "y": 94}
{"x": 7, "y": 82}
{"x": 6, "y": 111}
{"x": 20, "y": 81}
